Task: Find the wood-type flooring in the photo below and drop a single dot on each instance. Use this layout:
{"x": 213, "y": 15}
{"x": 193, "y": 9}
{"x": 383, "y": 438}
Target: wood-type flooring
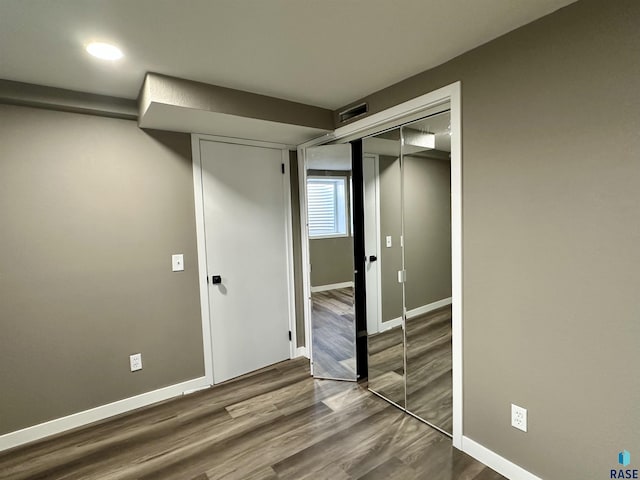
{"x": 334, "y": 334}
{"x": 277, "y": 423}
{"x": 428, "y": 367}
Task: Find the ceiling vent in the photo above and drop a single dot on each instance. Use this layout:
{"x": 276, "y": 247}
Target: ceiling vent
{"x": 353, "y": 112}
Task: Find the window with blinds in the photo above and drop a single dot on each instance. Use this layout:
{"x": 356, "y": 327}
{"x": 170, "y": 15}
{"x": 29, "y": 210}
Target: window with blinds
{"x": 326, "y": 206}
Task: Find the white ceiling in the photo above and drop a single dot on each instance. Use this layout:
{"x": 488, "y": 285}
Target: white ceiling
{"x": 325, "y": 53}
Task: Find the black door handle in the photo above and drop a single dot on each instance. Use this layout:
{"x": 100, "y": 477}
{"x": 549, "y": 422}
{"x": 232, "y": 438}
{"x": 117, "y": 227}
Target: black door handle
{"x": 215, "y": 279}
{"x": 372, "y": 258}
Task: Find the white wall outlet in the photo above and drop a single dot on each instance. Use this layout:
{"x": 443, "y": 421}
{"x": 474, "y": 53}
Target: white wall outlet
{"x": 177, "y": 262}
{"x": 135, "y": 361}
{"x": 519, "y": 417}
{"x": 389, "y": 243}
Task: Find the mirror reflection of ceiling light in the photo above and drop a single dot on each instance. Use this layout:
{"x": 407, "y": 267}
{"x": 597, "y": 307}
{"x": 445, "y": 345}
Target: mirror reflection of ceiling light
{"x": 104, "y": 51}
{"x": 418, "y": 138}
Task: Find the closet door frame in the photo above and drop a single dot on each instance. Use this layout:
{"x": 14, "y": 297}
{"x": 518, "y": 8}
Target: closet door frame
{"x": 392, "y": 117}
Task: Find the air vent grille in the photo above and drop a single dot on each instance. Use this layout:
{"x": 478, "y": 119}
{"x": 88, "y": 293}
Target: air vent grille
{"x": 353, "y": 112}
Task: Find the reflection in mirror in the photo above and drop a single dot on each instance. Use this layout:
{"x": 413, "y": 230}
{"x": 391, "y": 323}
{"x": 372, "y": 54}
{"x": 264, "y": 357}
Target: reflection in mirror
{"x": 427, "y": 260}
{"x": 383, "y": 227}
{"x": 333, "y": 334}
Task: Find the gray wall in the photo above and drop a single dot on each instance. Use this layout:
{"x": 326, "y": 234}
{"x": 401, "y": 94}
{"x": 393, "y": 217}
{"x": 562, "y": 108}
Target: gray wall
{"x": 427, "y": 230}
{"x": 390, "y": 224}
{"x": 551, "y": 114}
{"x": 92, "y": 209}
{"x": 331, "y": 260}
{"x": 427, "y": 214}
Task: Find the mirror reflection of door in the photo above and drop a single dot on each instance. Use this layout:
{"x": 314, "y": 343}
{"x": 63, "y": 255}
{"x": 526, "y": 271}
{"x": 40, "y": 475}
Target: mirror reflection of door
{"x": 383, "y": 230}
{"x": 330, "y": 231}
{"x": 427, "y": 258}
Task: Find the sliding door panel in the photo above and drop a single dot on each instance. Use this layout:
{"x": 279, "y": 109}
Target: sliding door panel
{"x": 427, "y": 261}
{"x": 383, "y": 252}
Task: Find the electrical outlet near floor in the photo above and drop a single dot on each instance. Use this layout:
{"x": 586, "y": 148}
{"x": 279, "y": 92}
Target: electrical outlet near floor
{"x": 135, "y": 361}
{"x": 519, "y": 417}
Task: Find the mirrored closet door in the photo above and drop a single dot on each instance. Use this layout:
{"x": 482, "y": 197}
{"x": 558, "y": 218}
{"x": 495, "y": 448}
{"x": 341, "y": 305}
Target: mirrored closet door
{"x": 383, "y": 253}
{"x": 426, "y": 171}
{"x": 402, "y": 192}
{"x": 407, "y": 187}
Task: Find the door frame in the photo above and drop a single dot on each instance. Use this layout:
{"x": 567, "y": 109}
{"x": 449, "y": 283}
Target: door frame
{"x": 198, "y": 195}
{"x": 392, "y": 117}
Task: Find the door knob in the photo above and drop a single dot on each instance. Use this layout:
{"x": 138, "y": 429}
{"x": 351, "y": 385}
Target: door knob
{"x": 372, "y": 258}
{"x": 216, "y": 279}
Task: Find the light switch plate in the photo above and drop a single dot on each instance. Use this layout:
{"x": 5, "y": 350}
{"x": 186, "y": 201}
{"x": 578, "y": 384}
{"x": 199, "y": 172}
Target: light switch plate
{"x": 389, "y": 243}
{"x": 177, "y": 262}
{"x": 135, "y": 361}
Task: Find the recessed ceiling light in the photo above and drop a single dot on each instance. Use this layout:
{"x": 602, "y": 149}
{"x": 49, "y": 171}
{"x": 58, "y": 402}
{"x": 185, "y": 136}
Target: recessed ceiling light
{"x": 105, "y": 51}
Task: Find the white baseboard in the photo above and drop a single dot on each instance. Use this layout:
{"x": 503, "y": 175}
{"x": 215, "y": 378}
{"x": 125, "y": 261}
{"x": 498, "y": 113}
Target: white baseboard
{"x": 301, "y": 352}
{"x": 59, "y": 425}
{"x": 197, "y": 389}
{"x": 333, "y": 286}
{"x": 500, "y": 464}
{"x": 389, "y": 324}
{"x": 428, "y": 308}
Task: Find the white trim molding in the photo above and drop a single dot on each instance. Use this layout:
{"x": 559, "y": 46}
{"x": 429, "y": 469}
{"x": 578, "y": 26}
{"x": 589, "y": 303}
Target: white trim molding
{"x": 414, "y": 312}
{"x": 197, "y": 389}
{"x": 394, "y": 322}
{"x": 498, "y": 463}
{"x": 80, "y": 419}
{"x": 288, "y": 227}
{"x": 304, "y": 244}
{"x": 201, "y": 246}
{"x": 453, "y": 91}
{"x": 243, "y": 141}
{"x": 332, "y": 286}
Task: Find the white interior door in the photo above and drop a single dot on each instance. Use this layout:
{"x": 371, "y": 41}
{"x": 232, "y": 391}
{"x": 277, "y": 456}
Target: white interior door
{"x": 371, "y": 241}
{"x": 246, "y": 244}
